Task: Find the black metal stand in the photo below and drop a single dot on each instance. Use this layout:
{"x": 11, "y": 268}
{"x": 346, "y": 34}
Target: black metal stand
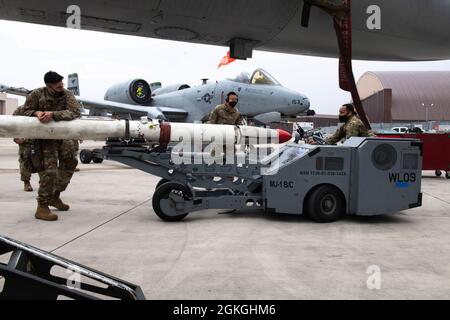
{"x": 28, "y": 276}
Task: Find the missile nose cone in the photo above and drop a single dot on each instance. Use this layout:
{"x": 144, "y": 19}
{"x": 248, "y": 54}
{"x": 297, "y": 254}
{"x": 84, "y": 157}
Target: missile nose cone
{"x": 283, "y": 136}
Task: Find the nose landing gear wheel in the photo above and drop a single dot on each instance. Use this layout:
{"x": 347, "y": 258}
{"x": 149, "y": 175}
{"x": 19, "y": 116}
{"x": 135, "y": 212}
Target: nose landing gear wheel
{"x": 166, "y": 198}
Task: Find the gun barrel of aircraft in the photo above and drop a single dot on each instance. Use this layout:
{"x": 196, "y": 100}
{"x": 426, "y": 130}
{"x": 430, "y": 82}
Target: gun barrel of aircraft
{"x": 163, "y": 133}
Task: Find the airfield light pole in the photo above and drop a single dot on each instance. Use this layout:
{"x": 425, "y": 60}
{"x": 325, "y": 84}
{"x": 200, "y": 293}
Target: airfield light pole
{"x": 426, "y": 113}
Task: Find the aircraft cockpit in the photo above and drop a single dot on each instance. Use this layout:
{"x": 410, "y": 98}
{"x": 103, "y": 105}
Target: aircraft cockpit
{"x": 259, "y": 76}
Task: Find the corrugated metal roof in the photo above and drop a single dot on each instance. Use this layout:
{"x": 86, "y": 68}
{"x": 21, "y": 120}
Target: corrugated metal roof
{"x": 412, "y": 88}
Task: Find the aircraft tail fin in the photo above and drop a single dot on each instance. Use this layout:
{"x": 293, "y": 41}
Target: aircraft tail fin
{"x": 74, "y": 84}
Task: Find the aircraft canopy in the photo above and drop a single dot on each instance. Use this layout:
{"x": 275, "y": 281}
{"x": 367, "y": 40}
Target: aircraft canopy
{"x": 259, "y": 76}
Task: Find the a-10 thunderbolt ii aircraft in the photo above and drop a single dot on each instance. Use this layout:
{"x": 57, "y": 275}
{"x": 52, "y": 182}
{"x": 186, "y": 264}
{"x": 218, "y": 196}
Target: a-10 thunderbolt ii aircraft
{"x": 261, "y": 97}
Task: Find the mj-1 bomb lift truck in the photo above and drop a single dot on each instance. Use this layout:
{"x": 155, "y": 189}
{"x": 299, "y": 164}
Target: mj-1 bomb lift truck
{"x": 363, "y": 176}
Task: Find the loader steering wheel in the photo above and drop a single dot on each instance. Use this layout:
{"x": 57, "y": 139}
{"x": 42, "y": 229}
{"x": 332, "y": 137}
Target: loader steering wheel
{"x": 318, "y": 140}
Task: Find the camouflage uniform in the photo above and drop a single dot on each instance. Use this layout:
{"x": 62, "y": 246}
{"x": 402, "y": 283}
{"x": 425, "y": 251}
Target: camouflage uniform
{"x": 76, "y": 149}
{"x": 354, "y": 127}
{"x": 24, "y": 154}
{"x": 54, "y": 176}
{"x": 224, "y": 114}
{"x": 26, "y": 169}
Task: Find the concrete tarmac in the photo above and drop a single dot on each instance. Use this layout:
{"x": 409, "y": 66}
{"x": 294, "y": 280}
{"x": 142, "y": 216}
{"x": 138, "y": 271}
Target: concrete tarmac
{"x": 112, "y": 227}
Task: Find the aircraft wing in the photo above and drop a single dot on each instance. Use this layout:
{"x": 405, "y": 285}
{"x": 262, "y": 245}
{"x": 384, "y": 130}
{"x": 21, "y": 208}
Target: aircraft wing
{"x": 15, "y": 91}
{"x": 416, "y": 31}
{"x": 173, "y": 114}
{"x": 113, "y": 107}
{"x": 154, "y": 112}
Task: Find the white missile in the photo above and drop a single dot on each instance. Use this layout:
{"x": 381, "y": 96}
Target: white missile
{"x": 152, "y": 131}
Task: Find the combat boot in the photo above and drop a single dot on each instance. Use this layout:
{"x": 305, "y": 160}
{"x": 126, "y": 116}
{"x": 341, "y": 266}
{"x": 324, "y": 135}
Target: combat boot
{"x": 44, "y": 213}
{"x": 27, "y": 186}
{"x": 58, "y": 204}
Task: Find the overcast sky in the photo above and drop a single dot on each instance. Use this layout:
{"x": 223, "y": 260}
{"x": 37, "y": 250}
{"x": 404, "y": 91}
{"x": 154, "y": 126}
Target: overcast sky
{"x": 27, "y": 51}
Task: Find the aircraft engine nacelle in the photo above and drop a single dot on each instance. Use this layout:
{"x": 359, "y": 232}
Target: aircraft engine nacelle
{"x": 135, "y": 91}
{"x": 171, "y": 88}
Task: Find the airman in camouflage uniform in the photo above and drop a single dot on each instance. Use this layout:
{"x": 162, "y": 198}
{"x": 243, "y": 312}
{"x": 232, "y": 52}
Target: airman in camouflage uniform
{"x": 53, "y": 103}
{"x": 227, "y": 113}
{"x": 24, "y": 157}
{"x": 352, "y": 127}
{"x": 76, "y": 149}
